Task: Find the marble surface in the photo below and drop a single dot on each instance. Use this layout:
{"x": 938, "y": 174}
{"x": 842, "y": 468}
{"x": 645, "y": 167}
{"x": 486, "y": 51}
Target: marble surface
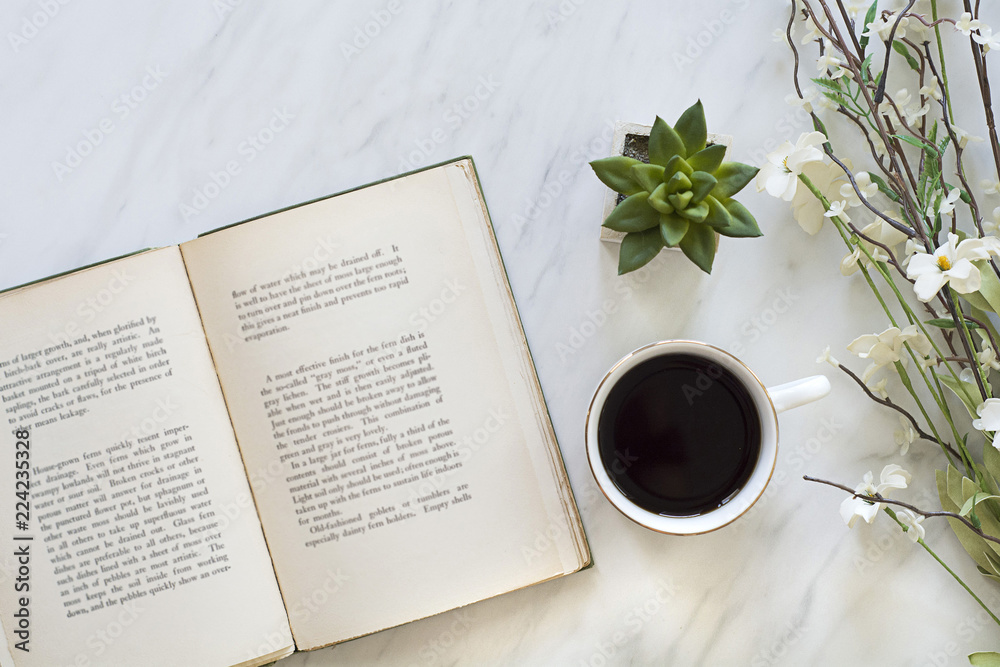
{"x": 161, "y": 96}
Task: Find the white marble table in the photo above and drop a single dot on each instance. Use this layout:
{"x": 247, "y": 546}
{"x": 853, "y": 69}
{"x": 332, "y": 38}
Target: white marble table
{"x": 161, "y": 97}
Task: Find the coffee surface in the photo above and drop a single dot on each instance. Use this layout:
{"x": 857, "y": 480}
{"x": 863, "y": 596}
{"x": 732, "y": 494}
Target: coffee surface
{"x": 679, "y": 435}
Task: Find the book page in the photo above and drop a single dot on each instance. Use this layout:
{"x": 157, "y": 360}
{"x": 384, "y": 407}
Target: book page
{"x": 139, "y": 542}
{"x": 392, "y": 444}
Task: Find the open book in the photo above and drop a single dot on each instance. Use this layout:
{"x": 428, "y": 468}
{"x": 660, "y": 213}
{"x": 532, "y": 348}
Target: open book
{"x": 285, "y": 434}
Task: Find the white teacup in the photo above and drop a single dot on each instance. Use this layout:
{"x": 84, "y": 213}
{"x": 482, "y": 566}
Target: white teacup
{"x": 767, "y": 401}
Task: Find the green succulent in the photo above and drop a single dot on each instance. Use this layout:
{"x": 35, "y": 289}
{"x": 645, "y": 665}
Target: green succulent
{"x": 681, "y": 198}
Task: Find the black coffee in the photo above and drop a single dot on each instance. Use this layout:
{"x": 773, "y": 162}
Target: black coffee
{"x": 679, "y": 435}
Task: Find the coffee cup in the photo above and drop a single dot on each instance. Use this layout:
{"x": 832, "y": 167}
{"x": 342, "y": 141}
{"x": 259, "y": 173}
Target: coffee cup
{"x": 682, "y": 437}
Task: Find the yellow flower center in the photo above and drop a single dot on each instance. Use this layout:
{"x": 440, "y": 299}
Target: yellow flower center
{"x": 943, "y": 263}
{"x": 785, "y": 163}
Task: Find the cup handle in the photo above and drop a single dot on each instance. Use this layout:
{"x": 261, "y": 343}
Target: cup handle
{"x": 793, "y": 394}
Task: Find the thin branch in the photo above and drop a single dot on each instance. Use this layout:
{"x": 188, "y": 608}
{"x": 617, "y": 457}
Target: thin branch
{"x": 888, "y": 51}
{"x": 889, "y": 404}
{"x": 878, "y": 498}
{"x": 983, "y": 327}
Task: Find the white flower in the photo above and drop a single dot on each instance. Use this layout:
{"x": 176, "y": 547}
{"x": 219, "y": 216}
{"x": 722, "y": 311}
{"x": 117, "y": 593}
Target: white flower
{"x": 913, "y": 113}
{"x": 950, "y": 263}
{"x": 892, "y": 477}
{"x": 993, "y": 226}
{"x": 990, "y": 186}
{"x": 840, "y": 71}
{"x": 987, "y": 38}
{"x": 808, "y": 95}
{"x": 806, "y": 208}
{"x": 966, "y": 24}
{"x": 837, "y": 210}
{"x": 828, "y": 60}
{"x": 909, "y": 250}
{"x": 852, "y": 508}
{"x": 932, "y": 90}
{"x": 826, "y": 357}
{"x": 988, "y": 358}
{"x": 882, "y": 27}
{"x": 887, "y": 347}
{"x": 780, "y": 175}
{"x": 864, "y": 181}
{"x": 812, "y": 32}
{"x": 889, "y": 106}
{"x": 779, "y": 35}
{"x": 964, "y": 137}
{"x": 914, "y": 530}
{"x": 879, "y": 388}
{"x": 948, "y": 203}
{"x": 905, "y": 435}
{"x": 880, "y": 231}
{"x": 989, "y": 416}
{"x": 879, "y": 145}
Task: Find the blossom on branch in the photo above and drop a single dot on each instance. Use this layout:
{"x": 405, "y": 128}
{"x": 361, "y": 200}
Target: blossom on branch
{"x": 892, "y": 477}
{"x": 950, "y": 264}
{"x": 879, "y": 231}
{"x": 780, "y": 175}
{"x": 887, "y": 347}
{"x": 912, "y": 522}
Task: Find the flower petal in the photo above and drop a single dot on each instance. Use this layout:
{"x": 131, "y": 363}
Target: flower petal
{"x": 928, "y": 284}
{"x": 964, "y": 277}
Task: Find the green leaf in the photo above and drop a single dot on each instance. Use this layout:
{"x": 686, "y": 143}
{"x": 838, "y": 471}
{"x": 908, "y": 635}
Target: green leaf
{"x": 965, "y": 391}
{"x": 664, "y": 143}
{"x": 831, "y": 84}
{"x": 984, "y": 659}
{"x": 658, "y": 199}
{"x": 949, "y": 485}
{"x": 991, "y": 461}
{"x": 946, "y": 323}
{"x": 840, "y": 100}
{"x": 691, "y": 126}
{"x": 633, "y": 215}
{"x": 973, "y": 501}
{"x": 649, "y": 176}
{"x": 616, "y": 173}
{"x": 743, "y": 225}
{"x": 718, "y": 216}
{"x": 709, "y": 159}
{"x": 699, "y": 246}
{"x": 695, "y": 212}
{"x": 976, "y": 300}
{"x": 638, "y": 248}
{"x": 901, "y": 49}
{"x": 680, "y": 200}
{"x": 866, "y": 67}
{"x": 916, "y": 142}
{"x": 989, "y": 287}
{"x": 679, "y": 182}
{"x": 732, "y": 177}
{"x": 869, "y": 18}
{"x": 882, "y": 187}
{"x": 677, "y": 165}
{"x": 701, "y": 184}
{"x": 672, "y": 229}
{"x": 978, "y": 313}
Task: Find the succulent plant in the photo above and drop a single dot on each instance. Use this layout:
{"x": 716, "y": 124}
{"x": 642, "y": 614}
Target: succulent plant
{"x": 681, "y": 198}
